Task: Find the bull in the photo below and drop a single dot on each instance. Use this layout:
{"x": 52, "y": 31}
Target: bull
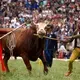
{"x": 28, "y": 47}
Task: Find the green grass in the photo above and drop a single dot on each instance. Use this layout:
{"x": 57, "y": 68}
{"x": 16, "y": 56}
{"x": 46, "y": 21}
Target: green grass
{"x": 18, "y": 71}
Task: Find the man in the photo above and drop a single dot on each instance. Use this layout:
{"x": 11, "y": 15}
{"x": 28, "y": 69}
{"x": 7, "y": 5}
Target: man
{"x": 50, "y": 45}
{"x": 76, "y": 51}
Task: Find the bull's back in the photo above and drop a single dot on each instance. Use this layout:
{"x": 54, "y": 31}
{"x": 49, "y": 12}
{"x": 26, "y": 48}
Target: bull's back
{"x": 27, "y": 44}
{"x": 23, "y": 40}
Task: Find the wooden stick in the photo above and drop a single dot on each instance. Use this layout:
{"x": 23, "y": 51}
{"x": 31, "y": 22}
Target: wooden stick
{"x": 46, "y": 37}
{"x": 75, "y": 36}
{"x": 50, "y": 38}
{"x": 11, "y": 31}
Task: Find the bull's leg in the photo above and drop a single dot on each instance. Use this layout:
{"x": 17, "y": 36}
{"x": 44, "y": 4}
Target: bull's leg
{"x": 6, "y": 58}
{"x": 27, "y": 62}
{"x": 42, "y": 57}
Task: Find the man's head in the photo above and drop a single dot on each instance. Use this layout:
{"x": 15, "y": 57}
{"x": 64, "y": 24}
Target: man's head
{"x": 49, "y": 28}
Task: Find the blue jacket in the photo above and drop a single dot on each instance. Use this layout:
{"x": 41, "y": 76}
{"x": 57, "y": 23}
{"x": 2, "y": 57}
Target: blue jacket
{"x": 50, "y": 48}
{"x": 51, "y": 44}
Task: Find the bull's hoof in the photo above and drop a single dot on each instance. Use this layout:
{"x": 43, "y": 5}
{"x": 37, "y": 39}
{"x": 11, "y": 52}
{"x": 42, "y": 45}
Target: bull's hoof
{"x": 29, "y": 72}
{"x": 7, "y": 71}
{"x": 45, "y": 72}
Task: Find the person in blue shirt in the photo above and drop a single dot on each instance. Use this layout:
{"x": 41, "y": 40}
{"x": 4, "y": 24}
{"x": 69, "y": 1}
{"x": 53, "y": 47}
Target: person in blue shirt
{"x": 34, "y": 5}
{"x": 50, "y": 45}
{"x": 28, "y": 4}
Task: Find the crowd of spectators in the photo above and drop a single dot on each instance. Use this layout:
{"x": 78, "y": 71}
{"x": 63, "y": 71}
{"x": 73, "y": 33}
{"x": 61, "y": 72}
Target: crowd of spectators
{"x": 64, "y": 15}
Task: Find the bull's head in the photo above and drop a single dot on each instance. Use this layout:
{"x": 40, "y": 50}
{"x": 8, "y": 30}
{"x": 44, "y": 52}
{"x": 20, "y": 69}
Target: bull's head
{"x": 41, "y": 29}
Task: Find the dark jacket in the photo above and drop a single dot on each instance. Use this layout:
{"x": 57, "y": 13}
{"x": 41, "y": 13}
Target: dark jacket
{"x": 51, "y": 44}
{"x": 50, "y": 48}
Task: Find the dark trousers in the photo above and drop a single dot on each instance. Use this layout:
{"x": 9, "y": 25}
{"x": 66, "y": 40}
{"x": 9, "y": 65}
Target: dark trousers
{"x": 49, "y": 57}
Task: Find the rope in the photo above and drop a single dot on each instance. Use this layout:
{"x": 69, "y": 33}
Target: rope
{"x": 11, "y": 31}
{"x": 11, "y": 42}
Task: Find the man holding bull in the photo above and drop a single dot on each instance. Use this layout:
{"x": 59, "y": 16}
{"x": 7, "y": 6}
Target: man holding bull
{"x": 50, "y": 45}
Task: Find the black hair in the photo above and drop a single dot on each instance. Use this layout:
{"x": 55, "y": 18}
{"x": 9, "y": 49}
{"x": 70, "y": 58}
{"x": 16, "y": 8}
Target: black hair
{"x": 50, "y": 26}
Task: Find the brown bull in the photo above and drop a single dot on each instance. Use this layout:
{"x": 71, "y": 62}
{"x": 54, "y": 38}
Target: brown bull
{"x": 28, "y": 46}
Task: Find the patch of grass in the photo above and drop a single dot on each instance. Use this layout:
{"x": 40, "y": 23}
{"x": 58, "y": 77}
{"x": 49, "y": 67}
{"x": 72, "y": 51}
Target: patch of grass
{"x": 18, "y": 71}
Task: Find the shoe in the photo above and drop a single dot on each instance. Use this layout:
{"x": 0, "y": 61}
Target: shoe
{"x": 68, "y": 73}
